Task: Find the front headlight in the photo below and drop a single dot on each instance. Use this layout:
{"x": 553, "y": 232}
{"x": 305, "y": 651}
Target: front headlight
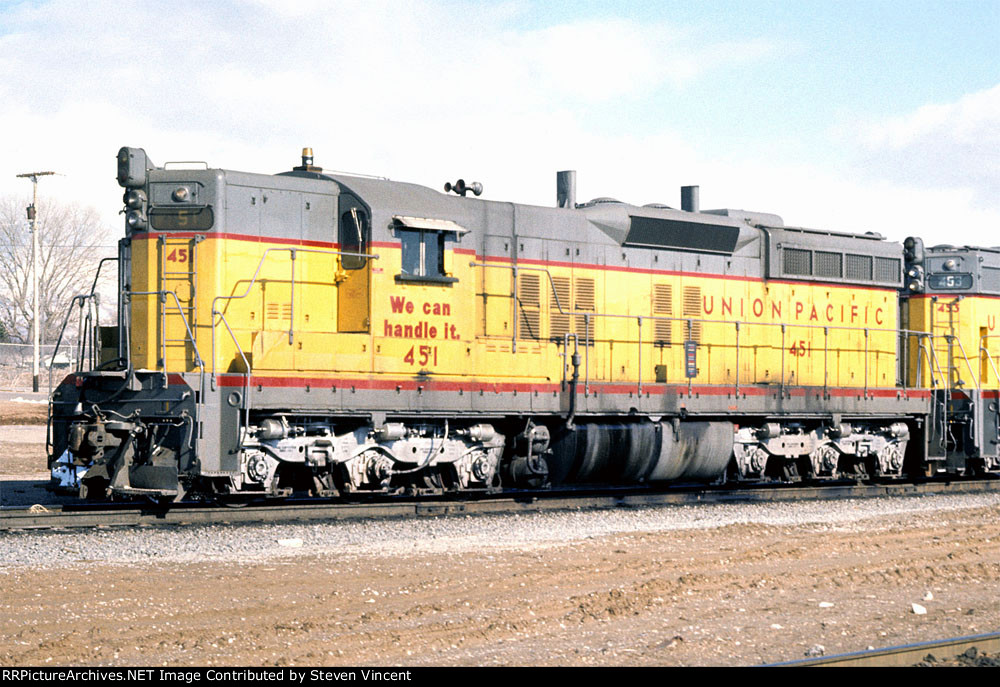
{"x": 136, "y": 220}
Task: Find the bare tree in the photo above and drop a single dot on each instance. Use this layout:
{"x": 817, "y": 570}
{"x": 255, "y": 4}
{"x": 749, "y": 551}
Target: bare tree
{"x": 72, "y": 240}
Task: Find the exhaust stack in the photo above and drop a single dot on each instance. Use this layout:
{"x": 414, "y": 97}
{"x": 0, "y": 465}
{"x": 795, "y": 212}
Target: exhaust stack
{"x": 689, "y": 198}
{"x": 566, "y": 189}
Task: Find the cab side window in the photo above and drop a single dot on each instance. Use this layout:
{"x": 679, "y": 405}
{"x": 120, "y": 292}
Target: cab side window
{"x": 423, "y": 253}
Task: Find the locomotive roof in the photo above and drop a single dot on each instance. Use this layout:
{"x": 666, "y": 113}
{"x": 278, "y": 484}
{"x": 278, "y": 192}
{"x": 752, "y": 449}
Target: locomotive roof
{"x": 611, "y": 216}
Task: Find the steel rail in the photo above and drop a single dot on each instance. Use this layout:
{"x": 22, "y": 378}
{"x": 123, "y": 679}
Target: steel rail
{"x": 905, "y": 655}
{"x": 382, "y": 507}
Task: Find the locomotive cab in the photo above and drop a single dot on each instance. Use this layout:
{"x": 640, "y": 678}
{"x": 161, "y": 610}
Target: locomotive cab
{"x": 953, "y": 294}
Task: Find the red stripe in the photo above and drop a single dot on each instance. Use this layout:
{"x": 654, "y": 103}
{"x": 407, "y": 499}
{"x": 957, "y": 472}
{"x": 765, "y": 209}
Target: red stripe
{"x": 318, "y": 383}
{"x": 150, "y": 235}
{"x": 676, "y": 273}
{"x": 986, "y": 393}
{"x": 236, "y": 381}
{"x": 952, "y": 295}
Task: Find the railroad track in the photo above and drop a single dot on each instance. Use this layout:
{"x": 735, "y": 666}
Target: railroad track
{"x": 908, "y": 654}
{"x": 312, "y": 510}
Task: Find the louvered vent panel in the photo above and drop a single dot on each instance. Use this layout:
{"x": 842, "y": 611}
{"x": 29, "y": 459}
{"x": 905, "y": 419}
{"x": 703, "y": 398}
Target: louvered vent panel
{"x": 692, "y": 308}
{"x": 278, "y": 311}
{"x": 529, "y": 290}
{"x": 796, "y": 261}
{"x": 585, "y": 300}
{"x": 529, "y": 300}
{"x": 829, "y": 265}
{"x": 529, "y": 326}
{"x": 858, "y": 267}
{"x": 663, "y": 304}
{"x": 559, "y": 322}
{"x": 887, "y": 269}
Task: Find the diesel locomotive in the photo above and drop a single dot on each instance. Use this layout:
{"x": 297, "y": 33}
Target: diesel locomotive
{"x": 333, "y": 334}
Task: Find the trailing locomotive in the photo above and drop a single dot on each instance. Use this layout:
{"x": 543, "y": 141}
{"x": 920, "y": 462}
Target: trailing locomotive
{"x": 339, "y": 334}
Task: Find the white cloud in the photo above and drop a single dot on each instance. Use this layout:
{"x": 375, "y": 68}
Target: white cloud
{"x": 423, "y": 93}
{"x": 953, "y": 146}
{"x": 412, "y": 90}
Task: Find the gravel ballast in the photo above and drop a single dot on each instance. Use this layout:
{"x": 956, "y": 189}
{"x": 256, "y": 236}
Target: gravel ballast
{"x": 451, "y": 534}
{"x": 731, "y": 584}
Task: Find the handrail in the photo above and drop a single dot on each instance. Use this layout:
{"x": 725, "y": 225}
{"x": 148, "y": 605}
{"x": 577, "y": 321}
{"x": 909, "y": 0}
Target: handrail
{"x": 562, "y": 311}
{"x": 162, "y": 294}
{"x": 924, "y": 349}
{"x": 250, "y": 285}
{"x": 932, "y": 357}
{"x": 908, "y": 334}
{"x": 246, "y": 377}
{"x": 245, "y": 402}
{"x": 194, "y": 347}
{"x": 983, "y": 348}
{"x": 69, "y": 311}
{"x": 967, "y": 363}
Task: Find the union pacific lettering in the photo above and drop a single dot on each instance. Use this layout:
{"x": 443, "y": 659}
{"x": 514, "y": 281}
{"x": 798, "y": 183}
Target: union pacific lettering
{"x": 802, "y": 311}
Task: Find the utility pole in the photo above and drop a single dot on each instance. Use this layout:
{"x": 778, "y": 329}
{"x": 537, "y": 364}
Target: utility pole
{"x": 35, "y": 322}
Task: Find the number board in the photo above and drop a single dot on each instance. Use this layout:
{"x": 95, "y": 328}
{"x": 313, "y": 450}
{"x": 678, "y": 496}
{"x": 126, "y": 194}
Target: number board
{"x": 954, "y": 282}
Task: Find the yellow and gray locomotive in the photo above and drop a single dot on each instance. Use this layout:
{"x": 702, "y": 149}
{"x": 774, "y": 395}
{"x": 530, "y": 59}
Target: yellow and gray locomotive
{"x": 337, "y": 334}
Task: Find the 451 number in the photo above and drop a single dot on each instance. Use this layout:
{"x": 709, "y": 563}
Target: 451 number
{"x": 422, "y": 355}
{"x": 178, "y": 255}
{"x": 801, "y": 348}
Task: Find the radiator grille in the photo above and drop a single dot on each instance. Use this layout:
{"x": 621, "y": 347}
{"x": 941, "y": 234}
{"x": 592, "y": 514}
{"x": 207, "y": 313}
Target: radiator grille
{"x": 858, "y": 267}
{"x": 797, "y": 262}
{"x": 887, "y": 269}
{"x": 829, "y": 265}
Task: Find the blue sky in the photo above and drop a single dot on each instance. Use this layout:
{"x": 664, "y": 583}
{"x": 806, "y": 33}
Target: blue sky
{"x": 854, "y": 116}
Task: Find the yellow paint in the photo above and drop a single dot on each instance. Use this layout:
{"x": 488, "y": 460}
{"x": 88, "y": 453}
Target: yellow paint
{"x": 465, "y": 330}
{"x": 974, "y": 322}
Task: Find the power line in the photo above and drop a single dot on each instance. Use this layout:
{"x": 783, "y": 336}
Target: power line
{"x": 59, "y": 245}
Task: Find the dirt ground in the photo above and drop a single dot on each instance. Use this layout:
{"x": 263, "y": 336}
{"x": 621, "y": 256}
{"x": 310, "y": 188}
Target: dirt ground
{"x": 22, "y": 413}
{"x": 736, "y": 595}
{"x": 22, "y": 438}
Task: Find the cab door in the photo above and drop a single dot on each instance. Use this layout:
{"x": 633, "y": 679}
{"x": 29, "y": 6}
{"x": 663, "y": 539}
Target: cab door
{"x": 354, "y": 289}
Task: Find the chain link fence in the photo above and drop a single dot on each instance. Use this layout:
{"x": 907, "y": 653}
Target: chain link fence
{"x": 16, "y": 365}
